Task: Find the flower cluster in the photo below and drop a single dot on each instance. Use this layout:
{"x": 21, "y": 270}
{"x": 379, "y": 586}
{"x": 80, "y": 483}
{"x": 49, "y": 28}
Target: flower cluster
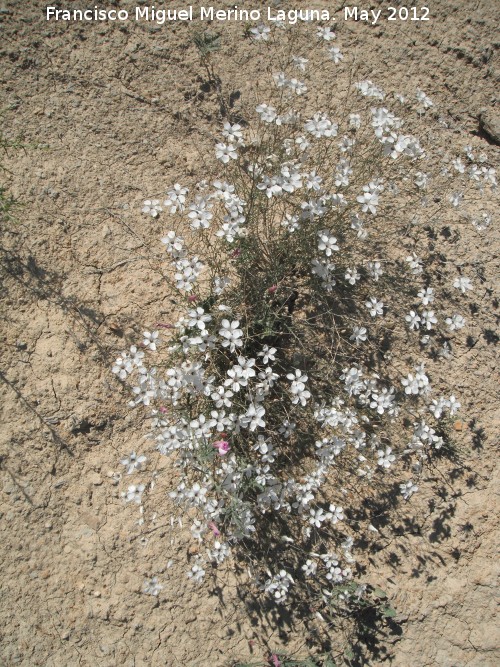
{"x": 275, "y": 380}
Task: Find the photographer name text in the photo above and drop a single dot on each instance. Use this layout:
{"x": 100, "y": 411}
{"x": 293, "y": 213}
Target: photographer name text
{"x": 209, "y": 13}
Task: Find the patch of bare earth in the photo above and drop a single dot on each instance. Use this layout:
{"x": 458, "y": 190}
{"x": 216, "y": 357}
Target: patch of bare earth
{"x": 111, "y": 114}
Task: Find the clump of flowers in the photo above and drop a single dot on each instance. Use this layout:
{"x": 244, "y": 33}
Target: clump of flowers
{"x": 297, "y": 377}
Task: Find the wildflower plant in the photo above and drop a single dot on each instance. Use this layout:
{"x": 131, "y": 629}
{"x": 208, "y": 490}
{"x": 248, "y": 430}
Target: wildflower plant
{"x": 296, "y": 381}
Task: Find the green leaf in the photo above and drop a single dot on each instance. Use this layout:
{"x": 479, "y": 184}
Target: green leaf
{"x": 388, "y": 612}
{"x": 207, "y": 42}
{"x": 349, "y": 653}
{"x": 379, "y": 593}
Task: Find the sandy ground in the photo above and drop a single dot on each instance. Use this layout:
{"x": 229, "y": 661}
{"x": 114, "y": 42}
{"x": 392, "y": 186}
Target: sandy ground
{"x": 111, "y": 115}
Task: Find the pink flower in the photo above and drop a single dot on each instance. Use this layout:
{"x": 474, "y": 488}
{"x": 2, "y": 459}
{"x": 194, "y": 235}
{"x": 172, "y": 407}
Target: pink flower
{"x": 222, "y": 446}
{"x": 192, "y": 298}
{"x": 272, "y": 289}
{"x": 214, "y": 528}
{"x": 275, "y": 660}
{"x": 236, "y": 253}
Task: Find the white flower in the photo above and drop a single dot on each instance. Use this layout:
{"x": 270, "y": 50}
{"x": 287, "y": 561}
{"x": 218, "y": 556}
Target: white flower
{"x": 279, "y": 585}
{"x": 445, "y": 351}
{"x": 321, "y": 126}
{"x": 260, "y": 33}
{"x": 375, "y": 270}
{"x": 291, "y": 222}
{"x": 342, "y": 173}
{"x": 489, "y": 175}
{"x": 287, "y": 428}
{"x": 383, "y": 400}
{"x": 475, "y": 172}
{"x": 335, "y": 513}
{"x": 152, "y": 586}
{"x": 354, "y": 121}
{"x": 426, "y": 296}
{"x": 383, "y": 120}
{"x": 196, "y": 573}
{"x": 225, "y": 191}
{"x": 455, "y": 322}
{"x": 176, "y": 198}
{"x": 375, "y": 307}
{"x": 335, "y": 574}
{"x": 133, "y": 462}
{"x": 437, "y": 406}
{"x": 422, "y": 379}
{"x": 415, "y": 264}
{"x": 254, "y": 417}
{"x": 369, "y": 200}
{"x": 122, "y": 367}
{"x": 198, "y": 529}
{"x": 312, "y": 209}
{"x": 483, "y": 222}
{"x": 199, "y": 214}
{"x": 456, "y": 198}
{"x": 421, "y": 180}
{"x": 425, "y": 101}
{"x": 385, "y": 459}
{"x": 220, "y": 284}
{"x": 265, "y": 449}
{"x": 220, "y": 552}
{"x": 408, "y": 489}
{"x": 187, "y": 273}
{"x": 428, "y": 319}
{"x": 369, "y": 89}
{"x": 352, "y": 276}
{"x": 317, "y": 517}
{"x": 298, "y": 387}
{"x": 222, "y": 397}
{"x": 313, "y": 181}
{"x": 225, "y": 152}
{"x": 127, "y": 362}
{"x": 309, "y": 568}
{"x": 463, "y": 284}
{"x": 326, "y": 33}
{"x": 280, "y": 79}
{"x": 174, "y": 243}
{"x": 150, "y": 339}
{"x": 134, "y": 493}
{"x": 267, "y": 113}
{"x": 198, "y": 318}
{"x": 239, "y": 374}
{"x": 267, "y": 354}
{"x": 233, "y": 133}
{"x": 358, "y": 335}
{"x": 232, "y": 334}
{"x": 302, "y": 143}
{"x": 327, "y": 242}
{"x": 410, "y": 383}
{"x": 453, "y": 405}
{"x": 196, "y": 494}
{"x": 298, "y": 87}
{"x": 299, "y": 62}
{"x": 152, "y": 207}
{"x": 335, "y": 54}
{"x": 413, "y": 320}
{"x": 357, "y": 225}
{"x": 413, "y": 383}
{"x": 246, "y": 367}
